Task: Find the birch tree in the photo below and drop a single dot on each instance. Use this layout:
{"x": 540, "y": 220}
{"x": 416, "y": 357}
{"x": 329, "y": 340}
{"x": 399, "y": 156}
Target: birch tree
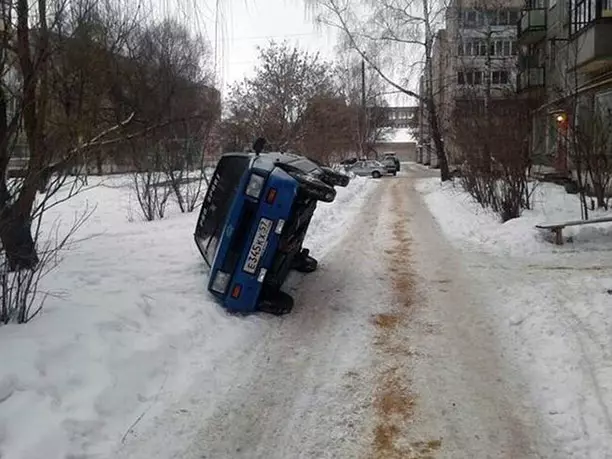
{"x": 394, "y": 28}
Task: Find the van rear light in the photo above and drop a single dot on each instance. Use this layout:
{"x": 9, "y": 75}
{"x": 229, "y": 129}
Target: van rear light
{"x": 255, "y": 185}
{"x": 220, "y": 282}
{"x": 271, "y": 196}
{"x": 236, "y": 291}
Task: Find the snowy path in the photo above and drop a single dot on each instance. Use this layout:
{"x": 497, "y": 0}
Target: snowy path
{"x": 390, "y": 353}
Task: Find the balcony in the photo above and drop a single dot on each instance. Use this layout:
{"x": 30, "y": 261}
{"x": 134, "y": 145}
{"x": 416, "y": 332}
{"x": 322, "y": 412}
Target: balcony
{"x": 531, "y": 75}
{"x": 591, "y": 32}
{"x": 532, "y": 26}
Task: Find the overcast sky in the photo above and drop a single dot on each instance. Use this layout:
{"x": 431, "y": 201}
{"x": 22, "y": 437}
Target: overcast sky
{"x": 252, "y": 23}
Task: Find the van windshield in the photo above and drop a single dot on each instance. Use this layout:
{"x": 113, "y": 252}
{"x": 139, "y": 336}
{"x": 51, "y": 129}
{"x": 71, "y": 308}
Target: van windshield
{"x": 217, "y": 203}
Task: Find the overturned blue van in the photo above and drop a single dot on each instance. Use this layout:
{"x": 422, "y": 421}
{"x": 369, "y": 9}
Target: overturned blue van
{"x": 253, "y": 222}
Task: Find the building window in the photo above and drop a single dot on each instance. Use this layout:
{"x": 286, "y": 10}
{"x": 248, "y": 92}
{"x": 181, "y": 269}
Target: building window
{"x": 603, "y": 105}
{"x": 503, "y": 17}
{"x": 482, "y": 48}
{"x": 500, "y": 77}
{"x": 507, "y": 46}
{"x": 470, "y": 77}
{"x": 470, "y": 18}
{"x": 514, "y": 17}
{"x": 492, "y": 18}
{"x": 584, "y": 12}
{"x": 500, "y": 48}
{"x": 469, "y": 48}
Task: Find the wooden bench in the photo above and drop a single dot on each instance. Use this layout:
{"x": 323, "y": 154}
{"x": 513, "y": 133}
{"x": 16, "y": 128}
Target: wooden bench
{"x": 557, "y": 228}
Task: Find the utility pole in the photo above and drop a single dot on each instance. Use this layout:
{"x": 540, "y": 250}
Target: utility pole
{"x": 363, "y": 130}
{"x": 363, "y": 90}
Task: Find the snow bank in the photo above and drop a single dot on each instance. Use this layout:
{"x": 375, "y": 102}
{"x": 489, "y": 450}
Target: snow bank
{"x": 331, "y": 219}
{"x": 465, "y": 222}
{"x": 128, "y": 326}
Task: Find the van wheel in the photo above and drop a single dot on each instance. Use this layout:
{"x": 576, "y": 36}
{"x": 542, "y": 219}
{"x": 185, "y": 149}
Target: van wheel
{"x": 277, "y": 303}
{"x": 376, "y": 174}
{"x": 304, "y": 263}
{"x": 314, "y": 188}
{"x": 333, "y": 178}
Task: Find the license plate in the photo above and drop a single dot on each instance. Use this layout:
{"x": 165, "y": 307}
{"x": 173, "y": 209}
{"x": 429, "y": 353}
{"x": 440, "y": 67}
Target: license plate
{"x": 258, "y": 247}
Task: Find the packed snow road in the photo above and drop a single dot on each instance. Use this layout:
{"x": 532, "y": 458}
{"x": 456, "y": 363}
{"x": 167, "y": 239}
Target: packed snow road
{"x": 389, "y": 353}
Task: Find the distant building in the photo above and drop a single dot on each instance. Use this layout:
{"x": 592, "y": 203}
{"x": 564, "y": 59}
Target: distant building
{"x": 402, "y": 117}
{"x": 399, "y": 141}
{"x": 473, "y": 59}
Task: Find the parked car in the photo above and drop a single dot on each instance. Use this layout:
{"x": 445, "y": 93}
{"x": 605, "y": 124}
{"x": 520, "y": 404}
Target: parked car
{"x": 349, "y": 161}
{"x": 394, "y": 158}
{"x": 253, "y": 222}
{"x": 390, "y": 165}
{"x": 369, "y": 168}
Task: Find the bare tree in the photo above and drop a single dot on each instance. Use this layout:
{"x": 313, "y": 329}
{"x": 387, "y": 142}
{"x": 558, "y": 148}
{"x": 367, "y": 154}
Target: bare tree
{"x": 496, "y": 158}
{"x": 187, "y": 160}
{"x": 52, "y": 66}
{"x": 364, "y": 91}
{"x": 22, "y": 298}
{"x": 169, "y": 89}
{"x": 394, "y": 27}
{"x": 74, "y": 89}
{"x": 328, "y": 128}
{"x": 272, "y": 104}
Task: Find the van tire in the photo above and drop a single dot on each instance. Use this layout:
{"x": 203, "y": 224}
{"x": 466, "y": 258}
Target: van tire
{"x": 314, "y": 188}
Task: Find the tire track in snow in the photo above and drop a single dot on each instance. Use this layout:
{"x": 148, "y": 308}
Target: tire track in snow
{"x": 394, "y": 401}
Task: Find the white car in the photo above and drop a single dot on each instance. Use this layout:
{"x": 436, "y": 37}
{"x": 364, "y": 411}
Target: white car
{"x": 369, "y": 168}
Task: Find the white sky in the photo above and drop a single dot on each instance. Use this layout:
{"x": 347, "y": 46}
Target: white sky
{"x": 249, "y": 23}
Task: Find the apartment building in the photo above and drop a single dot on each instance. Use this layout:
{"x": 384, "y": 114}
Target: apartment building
{"x": 473, "y": 62}
{"x": 565, "y": 67}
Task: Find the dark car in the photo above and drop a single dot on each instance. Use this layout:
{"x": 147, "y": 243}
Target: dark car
{"x": 253, "y": 222}
{"x": 390, "y": 158}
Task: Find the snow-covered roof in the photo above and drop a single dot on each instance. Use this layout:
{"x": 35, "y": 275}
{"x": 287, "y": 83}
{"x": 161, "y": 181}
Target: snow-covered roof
{"x": 397, "y": 135}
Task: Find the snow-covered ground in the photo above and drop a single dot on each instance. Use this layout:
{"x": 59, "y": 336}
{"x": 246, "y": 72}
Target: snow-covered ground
{"x": 465, "y": 221}
{"x": 552, "y": 303}
{"x": 128, "y": 325}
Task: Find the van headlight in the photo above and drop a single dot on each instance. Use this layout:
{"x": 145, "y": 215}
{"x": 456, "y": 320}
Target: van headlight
{"x": 255, "y": 185}
{"x": 220, "y": 282}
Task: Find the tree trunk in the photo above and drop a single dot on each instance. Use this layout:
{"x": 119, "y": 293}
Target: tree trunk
{"x": 15, "y": 230}
{"x": 16, "y": 237}
{"x": 438, "y": 142}
{"x": 431, "y": 103}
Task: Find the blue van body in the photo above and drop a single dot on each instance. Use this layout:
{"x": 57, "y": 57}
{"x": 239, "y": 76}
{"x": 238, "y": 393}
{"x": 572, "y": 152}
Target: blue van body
{"x": 252, "y": 225}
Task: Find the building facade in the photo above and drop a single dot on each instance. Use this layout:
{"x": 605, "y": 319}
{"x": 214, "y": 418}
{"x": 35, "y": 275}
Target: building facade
{"x": 565, "y": 67}
{"x": 473, "y": 63}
